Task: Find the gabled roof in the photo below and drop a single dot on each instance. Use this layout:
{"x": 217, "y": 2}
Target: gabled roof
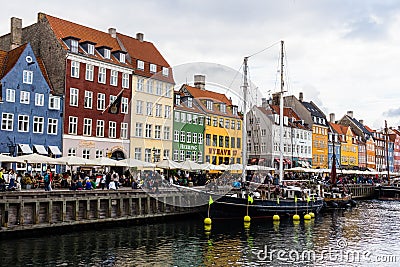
{"x": 8, "y": 59}
{"x": 362, "y": 127}
{"x": 206, "y": 94}
{"x": 315, "y": 111}
{"x": 341, "y": 130}
{"x": 183, "y": 105}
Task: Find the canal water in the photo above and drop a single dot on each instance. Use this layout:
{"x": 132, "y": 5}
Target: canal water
{"x": 367, "y": 235}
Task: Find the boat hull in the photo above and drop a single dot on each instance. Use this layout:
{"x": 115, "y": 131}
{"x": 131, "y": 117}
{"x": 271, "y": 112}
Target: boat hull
{"x": 339, "y": 203}
{"x": 233, "y": 207}
{"x": 387, "y": 192}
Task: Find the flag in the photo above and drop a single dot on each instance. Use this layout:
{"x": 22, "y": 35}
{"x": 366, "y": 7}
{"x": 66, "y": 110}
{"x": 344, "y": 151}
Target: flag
{"x": 250, "y": 199}
{"x": 210, "y": 201}
{"x": 308, "y": 198}
{"x": 295, "y": 199}
{"x": 277, "y": 200}
{"x": 115, "y": 106}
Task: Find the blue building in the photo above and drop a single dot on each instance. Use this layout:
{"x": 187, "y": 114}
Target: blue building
{"x": 31, "y": 116}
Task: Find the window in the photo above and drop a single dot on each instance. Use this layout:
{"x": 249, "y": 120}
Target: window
{"x": 188, "y": 137}
{"x": 27, "y": 77}
{"x": 114, "y": 78}
{"x": 87, "y": 126}
{"x": 166, "y": 153}
{"x": 168, "y": 90}
{"x": 221, "y": 141}
{"x": 23, "y": 123}
{"x": 158, "y": 110}
{"x": 177, "y": 116}
{"x": 38, "y": 124}
{"x": 165, "y": 71}
{"x": 150, "y": 86}
{"x": 10, "y": 95}
{"x": 139, "y": 129}
{"x": 121, "y": 57}
{"x": 208, "y": 121}
{"x": 194, "y": 138}
{"x": 139, "y": 107}
{"x": 99, "y": 153}
{"x": 52, "y": 126}
{"x": 208, "y": 139}
{"x": 102, "y": 75}
{"x": 183, "y": 135}
{"x": 189, "y": 118}
{"x": 7, "y": 120}
{"x": 39, "y": 100}
{"x": 159, "y": 88}
{"x": 24, "y": 97}
{"x": 147, "y": 155}
{"x": 74, "y": 46}
{"x": 149, "y": 109}
{"x": 209, "y": 104}
{"x": 234, "y": 110}
{"x": 106, "y": 53}
{"x": 215, "y": 140}
{"x": 200, "y": 157}
{"x": 140, "y": 83}
{"x": 167, "y": 112}
{"x": 221, "y": 123}
{"x": 88, "y": 101}
{"x": 176, "y": 136}
{"x": 75, "y": 69}
{"x": 100, "y": 128}
{"x": 183, "y": 117}
{"x": 112, "y": 129}
{"x": 232, "y": 142}
{"x": 73, "y": 97}
{"x": 176, "y": 155}
{"x": 124, "y": 105}
{"x": 101, "y": 101}
{"x": 138, "y": 153}
{"x": 72, "y": 151}
{"x": 125, "y": 80}
{"x": 227, "y": 124}
{"x": 200, "y": 135}
{"x": 157, "y": 132}
{"x": 153, "y": 68}
{"x": 222, "y": 108}
{"x": 189, "y": 102}
{"x": 177, "y": 100}
{"x": 86, "y": 153}
{"x": 148, "y": 130}
{"x": 239, "y": 125}
{"x": 238, "y": 142}
{"x": 124, "y": 130}
{"x": 89, "y": 72}
{"x": 90, "y": 49}
{"x": 182, "y": 152}
{"x": 227, "y": 141}
{"x": 167, "y": 132}
{"x": 54, "y": 102}
{"x": 215, "y": 122}
{"x": 140, "y": 65}
{"x": 73, "y": 125}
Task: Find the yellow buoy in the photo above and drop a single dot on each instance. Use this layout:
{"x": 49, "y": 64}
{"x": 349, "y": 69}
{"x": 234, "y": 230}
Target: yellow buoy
{"x": 276, "y": 217}
{"x": 246, "y": 225}
{"x": 312, "y": 214}
{"x": 296, "y": 217}
{"x": 207, "y": 228}
{"x": 307, "y": 217}
{"x": 247, "y": 218}
{"x": 207, "y": 221}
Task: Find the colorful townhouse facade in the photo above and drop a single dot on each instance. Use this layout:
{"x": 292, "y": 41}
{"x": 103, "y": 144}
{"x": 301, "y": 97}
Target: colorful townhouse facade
{"x": 188, "y": 129}
{"x": 31, "y": 112}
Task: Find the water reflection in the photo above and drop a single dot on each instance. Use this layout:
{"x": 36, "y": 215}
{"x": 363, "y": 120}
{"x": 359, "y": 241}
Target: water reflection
{"x": 371, "y": 227}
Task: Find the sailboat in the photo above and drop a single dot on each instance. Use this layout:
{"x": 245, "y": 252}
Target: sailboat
{"x": 258, "y": 201}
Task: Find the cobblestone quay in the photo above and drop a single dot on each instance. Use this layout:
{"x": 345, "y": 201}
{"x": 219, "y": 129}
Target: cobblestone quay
{"x": 34, "y": 209}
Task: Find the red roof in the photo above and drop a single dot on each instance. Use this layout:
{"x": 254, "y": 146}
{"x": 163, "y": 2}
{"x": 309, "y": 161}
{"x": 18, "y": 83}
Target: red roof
{"x": 205, "y": 94}
{"x": 8, "y": 59}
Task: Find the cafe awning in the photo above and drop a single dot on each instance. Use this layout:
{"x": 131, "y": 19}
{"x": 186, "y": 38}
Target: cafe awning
{"x": 55, "y": 150}
{"x": 25, "y": 148}
{"x": 40, "y": 149}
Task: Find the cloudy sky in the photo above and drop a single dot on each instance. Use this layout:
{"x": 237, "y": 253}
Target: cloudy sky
{"x": 343, "y": 55}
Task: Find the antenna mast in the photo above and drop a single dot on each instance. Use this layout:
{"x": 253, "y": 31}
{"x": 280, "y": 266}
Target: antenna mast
{"x": 281, "y": 120}
{"x": 387, "y": 151}
{"x": 244, "y": 133}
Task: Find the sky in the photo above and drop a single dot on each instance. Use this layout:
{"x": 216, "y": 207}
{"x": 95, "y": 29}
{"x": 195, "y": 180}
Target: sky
{"x": 343, "y": 55}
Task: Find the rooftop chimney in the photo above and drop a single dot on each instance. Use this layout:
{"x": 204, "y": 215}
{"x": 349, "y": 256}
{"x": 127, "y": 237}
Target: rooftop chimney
{"x": 112, "y": 32}
{"x": 301, "y": 96}
{"x": 16, "y": 33}
{"x": 361, "y": 121}
{"x": 332, "y": 117}
{"x": 200, "y": 81}
{"x": 350, "y": 114}
{"x": 140, "y": 36}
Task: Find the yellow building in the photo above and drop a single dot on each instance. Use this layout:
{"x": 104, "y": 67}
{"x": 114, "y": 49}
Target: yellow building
{"x": 348, "y": 147}
{"x": 223, "y": 124}
{"x": 319, "y": 146}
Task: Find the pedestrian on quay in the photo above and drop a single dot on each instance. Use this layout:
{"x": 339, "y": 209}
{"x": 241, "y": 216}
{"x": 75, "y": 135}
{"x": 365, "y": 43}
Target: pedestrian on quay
{"x": 103, "y": 181}
{"x": 47, "y": 180}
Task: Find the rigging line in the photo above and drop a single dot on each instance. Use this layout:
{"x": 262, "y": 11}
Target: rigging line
{"x": 264, "y": 49}
{"x": 237, "y": 73}
{"x": 287, "y": 72}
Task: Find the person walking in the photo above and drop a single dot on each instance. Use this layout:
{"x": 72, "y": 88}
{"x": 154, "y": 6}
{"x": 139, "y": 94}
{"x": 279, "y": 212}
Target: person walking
{"x": 47, "y": 180}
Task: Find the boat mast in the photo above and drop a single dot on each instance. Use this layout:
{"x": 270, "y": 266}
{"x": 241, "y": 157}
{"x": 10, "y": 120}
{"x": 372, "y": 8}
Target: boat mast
{"x": 244, "y": 123}
{"x": 281, "y": 120}
{"x": 387, "y": 151}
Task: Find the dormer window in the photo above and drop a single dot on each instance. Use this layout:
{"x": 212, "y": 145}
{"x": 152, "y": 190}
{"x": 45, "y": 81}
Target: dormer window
{"x": 107, "y": 53}
{"x": 153, "y": 68}
{"x": 189, "y": 102}
{"x": 121, "y": 57}
{"x": 165, "y": 71}
{"x": 234, "y": 110}
{"x": 222, "y": 108}
{"x": 74, "y": 46}
{"x": 90, "y": 49}
{"x": 140, "y": 65}
{"x": 209, "y": 104}
{"x": 177, "y": 100}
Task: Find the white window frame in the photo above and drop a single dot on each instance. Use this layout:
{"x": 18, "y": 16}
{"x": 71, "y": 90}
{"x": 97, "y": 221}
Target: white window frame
{"x": 100, "y": 128}
{"x": 54, "y": 102}
{"x": 138, "y": 153}
{"x": 102, "y": 76}
{"x": 72, "y": 151}
{"x": 90, "y": 49}
{"x": 149, "y": 87}
{"x": 24, "y": 97}
{"x": 23, "y": 123}
{"x": 27, "y": 76}
{"x": 139, "y": 107}
{"x": 101, "y": 101}
{"x": 73, "y": 97}
{"x": 159, "y": 87}
{"x": 114, "y": 78}
{"x": 99, "y": 153}
{"x": 140, "y": 84}
{"x": 124, "y": 130}
{"x": 89, "y": 73}
{"x": 39, "y": 100}
{"x": 125, "y": 80}
{"x": 209, "y": 104}
{"x": 149, "y": 108}
{"x": 167, "y": 112}
{"x": 75, "y": 69}
{"x": 122, "y": 57}
{"x": 52, "y": 125}
{"x": 124, "y": 105}
{"x": 86, "y": 153}
{"x": 140, "y": 64}
{"x": 72, "y": 125}
{"x": 112, "y": 129}
{"x": 153, "y": 68}
{"x": 87, "y": 127}
{"x": 167, "y": 132}
{"x": 176, "y": 136}
{"x": 148, "y": 130}
{"x": 107, "y": 53}
{"x": 74, "y": 46}
{"x": 7, "y": 121}
{"x": 165, "y": 71}
{"x": 38, "y": 124}
{"x": 157, "y": 131}
{"x": 158, "y": 110}
{"x": 88, "y": 100}
{"x": 10, "y": 95}
{"x": 139, "y": 129}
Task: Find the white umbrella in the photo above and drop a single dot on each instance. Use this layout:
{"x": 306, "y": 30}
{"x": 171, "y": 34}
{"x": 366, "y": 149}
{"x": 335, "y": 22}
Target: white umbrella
{"x": 76, "y": 161}
{"x": 168, "y": 164}
{"x": 234, "y": 167}
{"x": 104, "y": 161}
{"x": 137, "y": 163}
{"x": 5, "y": 158}
{"x": 212, "y": 167}
{"x": 189, "y": 165}
{"x": 258, "y": 168}
{"x": 37, "y": 158}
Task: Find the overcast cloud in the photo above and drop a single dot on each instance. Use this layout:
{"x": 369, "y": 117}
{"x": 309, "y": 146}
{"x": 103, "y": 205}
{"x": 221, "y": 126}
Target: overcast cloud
{"x": 344, "y": 55}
